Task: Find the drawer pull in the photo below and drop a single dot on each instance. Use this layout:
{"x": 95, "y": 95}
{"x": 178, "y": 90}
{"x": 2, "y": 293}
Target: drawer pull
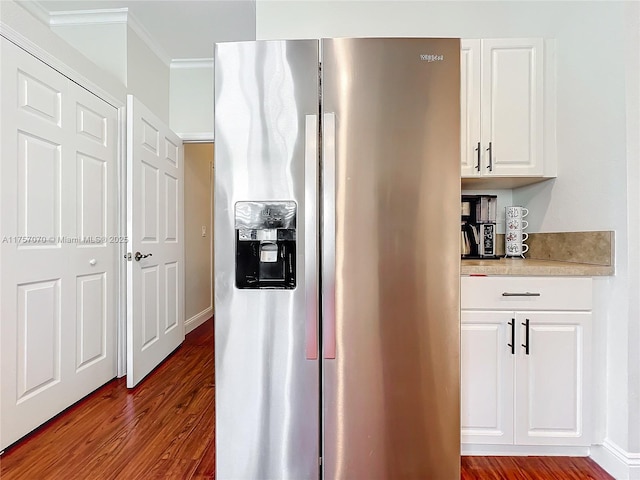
{"x": 521, "y": 294}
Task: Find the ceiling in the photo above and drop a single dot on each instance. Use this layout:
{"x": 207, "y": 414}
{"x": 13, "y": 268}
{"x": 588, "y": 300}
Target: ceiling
{"x": 182, "y": 29}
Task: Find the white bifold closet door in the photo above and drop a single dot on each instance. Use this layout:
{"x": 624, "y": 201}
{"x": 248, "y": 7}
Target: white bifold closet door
{"x": 58, "y": 249}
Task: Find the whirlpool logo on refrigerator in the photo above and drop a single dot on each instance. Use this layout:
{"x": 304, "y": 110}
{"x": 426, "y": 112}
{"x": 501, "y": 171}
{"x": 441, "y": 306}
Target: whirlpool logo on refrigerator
{"x": 430, "y": 57}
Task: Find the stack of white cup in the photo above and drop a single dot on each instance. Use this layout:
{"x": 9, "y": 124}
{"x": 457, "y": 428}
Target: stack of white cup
{"x": 514, "y": 236}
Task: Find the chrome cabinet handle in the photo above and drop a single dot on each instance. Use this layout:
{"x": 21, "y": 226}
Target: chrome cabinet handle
{"x": 478, "y": 163}
{"x": 138, "y": 256}
{"x": 490, "y": 150}
{"x": 520, "y": 294}
{"x": 329, "y": 235}
{"x": 310, "y": 235}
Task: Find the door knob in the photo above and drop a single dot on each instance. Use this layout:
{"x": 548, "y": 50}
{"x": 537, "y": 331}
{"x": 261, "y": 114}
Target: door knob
{"x": 139, "y": 256}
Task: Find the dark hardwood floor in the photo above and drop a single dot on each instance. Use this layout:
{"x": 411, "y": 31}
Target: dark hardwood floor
{"x": 531, "y": 468}
{"x": 164, "y": 428}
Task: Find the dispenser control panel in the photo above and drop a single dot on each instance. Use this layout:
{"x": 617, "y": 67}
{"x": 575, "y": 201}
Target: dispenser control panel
{"x": 265, "y": 245}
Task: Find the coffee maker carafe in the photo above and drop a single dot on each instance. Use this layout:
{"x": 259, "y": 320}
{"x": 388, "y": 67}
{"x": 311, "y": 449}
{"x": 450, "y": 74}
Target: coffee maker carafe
{"x": 468, "y": 241}
{"x": 478, "y": 226}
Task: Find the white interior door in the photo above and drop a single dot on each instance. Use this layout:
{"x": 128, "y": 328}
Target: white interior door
{"x": 155, "y": 271}
{"x": 58, "y": 252}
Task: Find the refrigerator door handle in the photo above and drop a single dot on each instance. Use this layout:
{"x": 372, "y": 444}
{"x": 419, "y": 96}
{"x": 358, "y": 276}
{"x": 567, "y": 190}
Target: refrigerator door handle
{"x": 311, "y": 235}
{"x": 329, "y": 235}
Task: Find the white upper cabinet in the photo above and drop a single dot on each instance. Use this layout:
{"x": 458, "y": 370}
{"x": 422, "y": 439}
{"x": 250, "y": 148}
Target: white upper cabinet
{"x": 502, "y": 101}
{"x": 470, "y": 144}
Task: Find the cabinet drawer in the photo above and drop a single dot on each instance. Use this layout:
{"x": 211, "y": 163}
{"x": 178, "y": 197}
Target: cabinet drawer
{"x": 525, "y": 293}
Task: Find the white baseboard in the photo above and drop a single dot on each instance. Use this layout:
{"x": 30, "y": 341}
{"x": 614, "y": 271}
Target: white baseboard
{"x": 524, "y": 450}
{"x": 197, "y": 320}
{"x": 619, "y": 463}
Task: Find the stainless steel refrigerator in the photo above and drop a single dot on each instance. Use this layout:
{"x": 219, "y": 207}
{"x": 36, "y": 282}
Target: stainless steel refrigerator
{"x": 337, "y": 207}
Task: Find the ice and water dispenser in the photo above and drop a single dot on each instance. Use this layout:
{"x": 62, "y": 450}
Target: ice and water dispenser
{"x": 265, "y": 245}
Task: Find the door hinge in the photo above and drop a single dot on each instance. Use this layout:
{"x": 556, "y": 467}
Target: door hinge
{"x": 320, "y": 461}
{"x": 128, "y": 256}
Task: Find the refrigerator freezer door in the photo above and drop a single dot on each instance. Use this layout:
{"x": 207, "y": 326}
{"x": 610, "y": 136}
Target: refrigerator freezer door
{"x": 267, "y": 391}
{"x": 391, "y": 394}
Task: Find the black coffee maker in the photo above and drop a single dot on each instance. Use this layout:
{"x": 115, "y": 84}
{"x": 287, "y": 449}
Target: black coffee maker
{"x": 478, "y": 226}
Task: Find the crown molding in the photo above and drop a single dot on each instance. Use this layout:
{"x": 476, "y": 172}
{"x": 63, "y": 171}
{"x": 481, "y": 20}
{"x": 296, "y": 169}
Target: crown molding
{"x": 192, "y": 63}
{"x": 104, "y": 16}
{"x": 20, "y": 40}
{"x": 36, "y": 9}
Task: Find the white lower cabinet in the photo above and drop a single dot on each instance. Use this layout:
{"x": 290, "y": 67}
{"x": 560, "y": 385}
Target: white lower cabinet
{"x": 486, "y": 378}
{"x": 525, "y": 361}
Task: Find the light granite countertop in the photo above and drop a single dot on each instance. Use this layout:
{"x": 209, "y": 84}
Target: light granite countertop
{"x": 588, "y": 254}
{"x": 532, "y": 267}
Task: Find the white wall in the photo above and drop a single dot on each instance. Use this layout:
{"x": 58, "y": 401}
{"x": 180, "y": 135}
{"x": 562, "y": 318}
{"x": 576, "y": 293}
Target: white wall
{"x": 593, "y": 148}
{"x": 147, "y": 76}
{"x": 16, "y": 21}
{"x": 107, "y": 47}
{"x": 632, "y": 87}
{"x": 198, "y": 184}
{"x": 191, "y": 105}
{"x": 116, "y": 47}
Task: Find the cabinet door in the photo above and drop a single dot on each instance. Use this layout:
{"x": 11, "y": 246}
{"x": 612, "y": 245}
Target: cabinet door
{"x": 471, "y": 149}
{"x": 512, "y": 103}
{"x": 486, "y": 377}
{"x": 551, "y": 380}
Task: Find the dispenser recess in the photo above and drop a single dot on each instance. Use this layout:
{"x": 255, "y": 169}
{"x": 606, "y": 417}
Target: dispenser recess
{"x": 265, "y": 245}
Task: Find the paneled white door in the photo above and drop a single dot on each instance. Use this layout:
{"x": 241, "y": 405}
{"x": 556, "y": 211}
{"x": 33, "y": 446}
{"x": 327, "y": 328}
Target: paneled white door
{"x": 155, "y": 271}
{"x": 58, "y": 252}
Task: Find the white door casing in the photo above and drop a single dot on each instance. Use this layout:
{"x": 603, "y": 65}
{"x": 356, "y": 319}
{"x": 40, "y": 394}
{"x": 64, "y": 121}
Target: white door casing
{"x": 155, "y": 227}
{"x": 58, "y": 256}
